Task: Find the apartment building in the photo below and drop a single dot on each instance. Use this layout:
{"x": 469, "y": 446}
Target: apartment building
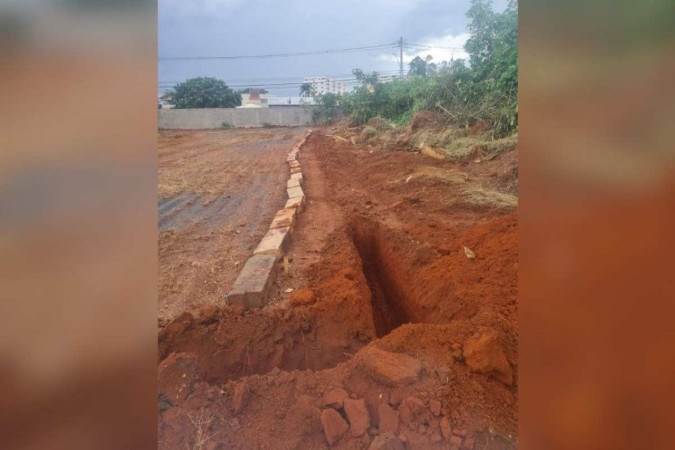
{"x": 323, "y": 85}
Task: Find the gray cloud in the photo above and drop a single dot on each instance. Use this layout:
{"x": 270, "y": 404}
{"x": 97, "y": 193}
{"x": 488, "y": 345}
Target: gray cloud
{"x": 240, "y": 27}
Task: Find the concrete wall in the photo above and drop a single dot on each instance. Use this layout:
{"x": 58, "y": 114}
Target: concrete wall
{"x": 241, "y": 117}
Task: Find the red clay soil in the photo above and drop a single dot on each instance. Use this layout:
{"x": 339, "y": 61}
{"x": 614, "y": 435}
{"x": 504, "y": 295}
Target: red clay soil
{"x": 377, "y": 262}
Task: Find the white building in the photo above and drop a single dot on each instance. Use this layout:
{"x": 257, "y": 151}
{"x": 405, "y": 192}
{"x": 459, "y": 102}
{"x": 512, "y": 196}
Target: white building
{"x": 164, "y": 101}
{"x": 323, "y": 85}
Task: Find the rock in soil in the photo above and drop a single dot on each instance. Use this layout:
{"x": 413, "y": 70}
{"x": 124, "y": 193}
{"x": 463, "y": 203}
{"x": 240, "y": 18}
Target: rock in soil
{"x": 391, "y": 369}
{"x": 357, "y": 415}
{"x": 302, "y": 296}
{"x": 446, "y": 429}
{"x": 177, "y": 375}
{"x": 241, "y": 393}
{"x": 435, "y": 407}
{"x": 410, "y": 409}
{"x": 335, "y": 398}
{"x": 386, "y": 441}
{"x": 484, "y": 354}
{"x": 389, "y": 420}
{"x": 469, "y": 444}
{"x": 334, "y": 426}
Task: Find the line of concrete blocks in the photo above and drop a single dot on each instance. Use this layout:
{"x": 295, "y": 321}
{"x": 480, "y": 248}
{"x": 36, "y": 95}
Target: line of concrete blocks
{"x": 252, "y": 287}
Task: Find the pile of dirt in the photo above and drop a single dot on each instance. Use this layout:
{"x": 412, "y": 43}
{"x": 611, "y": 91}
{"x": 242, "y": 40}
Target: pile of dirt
{"x": 391, "y": 338}
{"x": 425, "y": 119}
{"x": 341, "y": 126}
{"x": 380, "y": 124}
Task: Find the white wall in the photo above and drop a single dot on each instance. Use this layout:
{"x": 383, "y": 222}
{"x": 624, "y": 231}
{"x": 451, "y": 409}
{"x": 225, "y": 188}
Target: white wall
{"x": 238, "y": 117}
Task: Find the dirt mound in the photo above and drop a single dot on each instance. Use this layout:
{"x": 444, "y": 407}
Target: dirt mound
{"x": 341, "y": 125}
{"x": 380, "y": 124}
{"x": 367, "y": 134}
{"x": 478, "y": 128}
{"x": 425, "y": 119}
{"x": 299, "y": 409}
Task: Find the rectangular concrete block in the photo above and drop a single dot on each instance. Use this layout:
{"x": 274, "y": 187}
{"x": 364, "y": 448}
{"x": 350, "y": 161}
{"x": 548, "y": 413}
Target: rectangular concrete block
{"x": 296, "y": 202}
{"x": 297, "y": 176}
{"x": 251, "y": 289}
{"x": 294, "y": 164}
{"x": 294, "y": 192}
{"x": 295, "y": 170}
{"x": 284, "y": 218}
{"x": 292, "y": 183}
{"x": 274, "y": 242}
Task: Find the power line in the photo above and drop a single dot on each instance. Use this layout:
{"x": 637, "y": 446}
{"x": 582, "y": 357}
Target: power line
{"x": 428, "y": 47}
{"x": 347, "y": 80}
{"x": 331, "y": 76}
{"x": 279, "y": 55}
{"x": 276, "y": 84}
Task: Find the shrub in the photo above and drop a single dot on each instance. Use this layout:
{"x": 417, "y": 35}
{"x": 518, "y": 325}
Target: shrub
{"x": 367, "y": 134}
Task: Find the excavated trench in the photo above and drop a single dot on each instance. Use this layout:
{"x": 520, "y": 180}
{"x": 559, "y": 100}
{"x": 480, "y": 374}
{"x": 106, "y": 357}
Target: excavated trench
{"x": 230, "y": 347}
{"x": 381, "y": 266}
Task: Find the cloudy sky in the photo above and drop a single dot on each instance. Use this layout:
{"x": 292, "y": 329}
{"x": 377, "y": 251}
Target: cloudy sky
{"x": 254, "y": 27}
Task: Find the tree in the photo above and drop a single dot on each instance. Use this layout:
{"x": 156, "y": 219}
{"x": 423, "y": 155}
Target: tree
{"x": 493, "y": 56}
{"x": 305, "y": 89}
{"x": 368, "y": 81}
{"x": 204, "y": 92}
{"x": 422, "y": 67}
{"x": 327, "y": 110}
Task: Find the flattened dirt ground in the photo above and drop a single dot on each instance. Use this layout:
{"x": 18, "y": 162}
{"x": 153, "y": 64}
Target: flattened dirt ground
{"x": 218, "y": 192}
{"x": 377, "y": 262}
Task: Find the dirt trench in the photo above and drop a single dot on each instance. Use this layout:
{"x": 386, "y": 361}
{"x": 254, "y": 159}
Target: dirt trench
{"x": 391, "y": 307}
{"x": 231, "y": 344}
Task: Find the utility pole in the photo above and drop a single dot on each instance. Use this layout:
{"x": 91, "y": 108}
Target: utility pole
{"x": 400, "y": 61}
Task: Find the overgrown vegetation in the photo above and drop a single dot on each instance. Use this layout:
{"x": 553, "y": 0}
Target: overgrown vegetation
{"x": 204, "y": 92}
{"x": 484, "y": 88}
{"x": 328, "y": 108}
